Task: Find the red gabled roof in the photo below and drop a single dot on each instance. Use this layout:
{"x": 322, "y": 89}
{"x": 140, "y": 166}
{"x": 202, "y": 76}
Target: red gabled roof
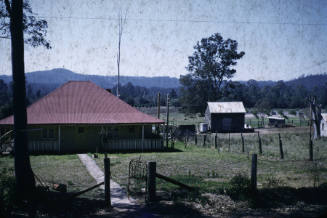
{"x": 82, "y": 102}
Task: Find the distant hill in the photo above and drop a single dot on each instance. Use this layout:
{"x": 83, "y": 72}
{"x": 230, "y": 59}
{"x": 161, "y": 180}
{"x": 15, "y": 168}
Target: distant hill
{"x": 53, "y": 78}
{"x": 310, "y": 81}
{"x": 59, "y": 76}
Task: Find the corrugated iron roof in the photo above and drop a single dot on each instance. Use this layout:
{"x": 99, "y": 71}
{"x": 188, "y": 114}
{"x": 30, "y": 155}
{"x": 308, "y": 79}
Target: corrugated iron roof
{"x": 324, "y": 116}
{"x": 275, "y": 117}
{"x": 82, "y": 102}
{"x": 226, "y": 107}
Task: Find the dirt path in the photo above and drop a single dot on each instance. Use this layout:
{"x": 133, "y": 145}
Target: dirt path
{"x": 119, "y": 197}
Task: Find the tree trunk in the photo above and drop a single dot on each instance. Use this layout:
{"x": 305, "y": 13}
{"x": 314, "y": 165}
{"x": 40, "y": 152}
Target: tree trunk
{"x": 24, "y": 175}
{"x": 315, "y": 113}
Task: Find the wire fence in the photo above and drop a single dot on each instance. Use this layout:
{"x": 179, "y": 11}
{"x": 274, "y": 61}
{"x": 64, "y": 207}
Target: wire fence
{"x": 295, "y": 146}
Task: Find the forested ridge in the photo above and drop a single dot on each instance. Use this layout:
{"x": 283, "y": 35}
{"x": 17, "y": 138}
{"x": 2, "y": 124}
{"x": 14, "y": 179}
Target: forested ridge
{"x": 262, "y": 95}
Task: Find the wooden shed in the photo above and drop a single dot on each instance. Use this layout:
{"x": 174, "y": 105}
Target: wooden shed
{"x": 80, "y": 116}
{"x": 276, "y": 121}
{"x": 225, "y": 116}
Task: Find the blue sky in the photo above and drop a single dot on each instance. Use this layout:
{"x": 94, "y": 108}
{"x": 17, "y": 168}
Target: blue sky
{"x": 282, "y": 39}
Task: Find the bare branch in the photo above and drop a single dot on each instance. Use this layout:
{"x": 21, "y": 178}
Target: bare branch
{"x": 8, "y": 7}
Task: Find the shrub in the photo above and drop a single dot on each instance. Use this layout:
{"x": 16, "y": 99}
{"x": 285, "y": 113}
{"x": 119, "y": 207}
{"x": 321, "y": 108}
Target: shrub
{"x": 239, "y": 187}
{"x": 273, "y": 182}
{"x": 315, "y": 171}
{"x": 7, "y": 191}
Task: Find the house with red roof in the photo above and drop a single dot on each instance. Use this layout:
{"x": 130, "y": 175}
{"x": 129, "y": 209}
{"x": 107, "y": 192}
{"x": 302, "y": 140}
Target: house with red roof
{"x": 80, "y": 116}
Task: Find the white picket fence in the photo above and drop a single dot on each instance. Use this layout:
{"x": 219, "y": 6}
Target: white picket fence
{"x": 134, "y": 144}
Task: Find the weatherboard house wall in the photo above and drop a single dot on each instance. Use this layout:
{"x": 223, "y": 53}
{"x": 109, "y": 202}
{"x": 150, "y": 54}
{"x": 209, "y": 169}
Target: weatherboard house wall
{"x": 225, "y": 116}
{"x": 80, "y": 116}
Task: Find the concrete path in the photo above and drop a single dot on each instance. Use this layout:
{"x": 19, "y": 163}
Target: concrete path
{"x": 118, "y": 194}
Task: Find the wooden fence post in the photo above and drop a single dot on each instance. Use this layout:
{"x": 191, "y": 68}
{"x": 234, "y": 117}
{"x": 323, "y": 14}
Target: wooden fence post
{"x": 216, "y": 141}
{"x": 281, "y": 147}
{"x": 204, "y": 140}
{"x": 254, "y": 173}
{"x": 229, "y": 142}
{"x": 185, "y": 142}
{"x": 107, "y": 181}
{"x": 151, "y": 181}
{"x": 260, "y": 144}
{"x": 195, "y": 139}
{"x": 242, "y": 143}
{"x": 310, "y": 150}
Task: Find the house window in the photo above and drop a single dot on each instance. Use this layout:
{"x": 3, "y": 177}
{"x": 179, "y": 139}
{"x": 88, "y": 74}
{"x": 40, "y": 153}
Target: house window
{"x": 80, "y": 129}
{"x": 51, "y": 133}
{"x": 131, "y": 129}
{"x": 45, "y": 133}
{"x": 48, "y": 133}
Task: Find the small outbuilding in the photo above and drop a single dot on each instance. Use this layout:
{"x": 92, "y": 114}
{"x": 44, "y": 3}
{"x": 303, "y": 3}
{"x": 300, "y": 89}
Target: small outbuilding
{"x": 323, "y": 125}
{"x": 225, "y": 116}
{"x": 276, "y": 121}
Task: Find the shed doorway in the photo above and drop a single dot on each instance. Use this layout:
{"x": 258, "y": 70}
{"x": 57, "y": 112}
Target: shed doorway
{"x": 227, "y": 124}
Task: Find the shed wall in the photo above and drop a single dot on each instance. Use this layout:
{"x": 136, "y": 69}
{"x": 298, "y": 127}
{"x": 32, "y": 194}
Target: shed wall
{"x": 227, "y": 122}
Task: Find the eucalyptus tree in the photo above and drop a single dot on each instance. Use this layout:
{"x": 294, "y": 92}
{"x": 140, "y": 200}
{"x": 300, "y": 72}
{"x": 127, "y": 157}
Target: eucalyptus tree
{"x": 209, "y": 67}
{"x": 17, "y": 21}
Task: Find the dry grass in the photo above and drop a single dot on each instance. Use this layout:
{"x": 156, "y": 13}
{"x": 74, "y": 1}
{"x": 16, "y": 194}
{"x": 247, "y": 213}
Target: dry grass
{"x": 207, "y": 162}
{"x": 64, "y": 169}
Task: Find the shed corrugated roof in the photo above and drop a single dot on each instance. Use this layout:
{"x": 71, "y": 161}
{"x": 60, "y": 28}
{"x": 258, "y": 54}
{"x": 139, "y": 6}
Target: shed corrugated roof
{"x": 82, "y": 102}
{"x": 274, "y": 117}
{"x": 226, "y": 107}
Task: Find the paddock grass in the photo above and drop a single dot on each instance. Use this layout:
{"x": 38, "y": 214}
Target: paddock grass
{"x": 292, "y": 121}
{"x": 208, "y": 169}
{"x": 64, "y": 169}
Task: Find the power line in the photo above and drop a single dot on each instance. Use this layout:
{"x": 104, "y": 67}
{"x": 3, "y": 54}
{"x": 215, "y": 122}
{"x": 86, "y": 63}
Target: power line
{"x": 182, "y": 20}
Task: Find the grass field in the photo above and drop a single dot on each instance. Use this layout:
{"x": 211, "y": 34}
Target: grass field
{"x": 210, "y": 171}
{"x": 55, "y": 169}
{"x": 286, "y": 187}
{"x": 211, "y": 168}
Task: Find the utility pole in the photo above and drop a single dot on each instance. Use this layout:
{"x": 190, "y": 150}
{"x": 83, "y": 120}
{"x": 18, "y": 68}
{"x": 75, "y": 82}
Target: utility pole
{"x": 158, "y": 112}
{"x": 158, "y": 104}
{"x": 121, "y": 22}
{"x": 310, "y": 136}
{"x": 167, "y": 122}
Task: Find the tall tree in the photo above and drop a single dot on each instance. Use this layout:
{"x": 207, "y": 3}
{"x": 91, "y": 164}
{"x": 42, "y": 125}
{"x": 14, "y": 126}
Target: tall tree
{"x": 35, "y": 30}
{"x": 315, "y": 116}
{"x": 12, "y": 17}
{"x": 209, "y": 66}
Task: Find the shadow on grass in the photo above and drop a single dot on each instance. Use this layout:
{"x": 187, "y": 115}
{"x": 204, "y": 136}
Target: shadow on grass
{"x": 55, "y": 204}
{"x": 277, "y": 197}
{"x": 282, "y": 196}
